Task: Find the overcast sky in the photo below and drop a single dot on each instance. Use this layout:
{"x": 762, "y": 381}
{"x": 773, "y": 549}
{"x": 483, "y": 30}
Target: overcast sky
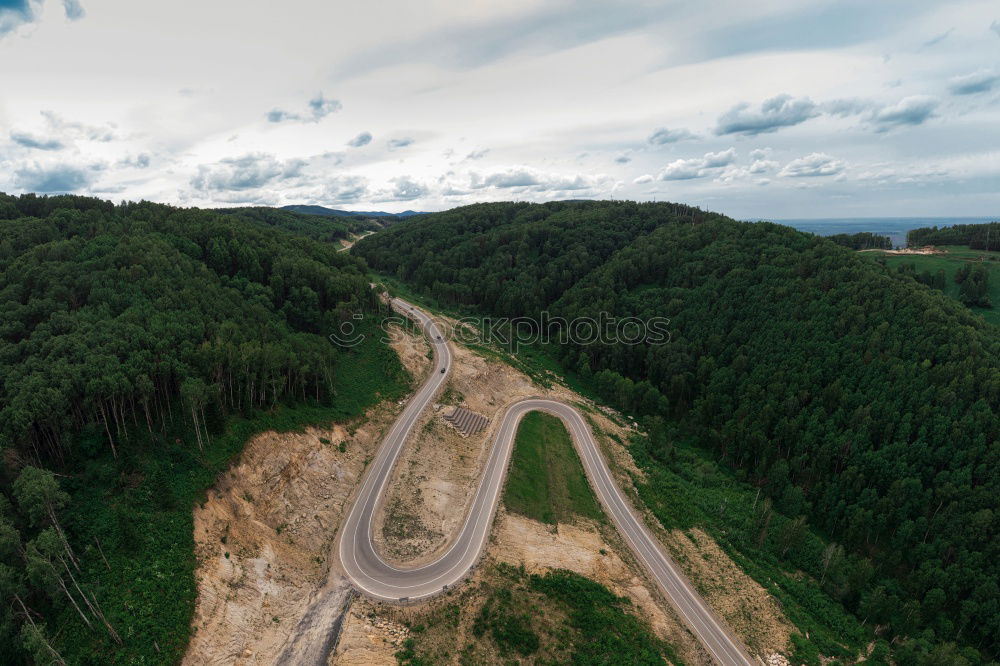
{"x": 770, "y": 109}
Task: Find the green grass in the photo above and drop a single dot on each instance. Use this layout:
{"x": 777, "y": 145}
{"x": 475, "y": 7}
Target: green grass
{"x": 956, "y": 257}
{"x": 546, "y": 480}
{"x": 139, "y": 509}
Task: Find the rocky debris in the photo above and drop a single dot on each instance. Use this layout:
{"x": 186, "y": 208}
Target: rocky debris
{"x": 316, "y": 635}
{"x": 777, "y": 659}
{"x": 263, "y": 538}
{"x": 388, "y": 631}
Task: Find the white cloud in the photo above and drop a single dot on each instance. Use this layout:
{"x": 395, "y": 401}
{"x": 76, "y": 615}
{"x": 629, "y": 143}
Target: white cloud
{"x": 526, "y": 179}
{"x": 247, "y": 172}
{"x": 403, "y": 142}
{"x": 57, "y": 124}
{"x": 774, "y": 114}
{"x": 344, "y": 189}
{"x": 140, "y": 161}
{"x": 664, "y": 136}
{"x": 510, "y": 178}
{"x": 404, "y": 188}
{"x": 55, "y": 178}
{"x": 362, "y": 139}
{"x": 699, "y": 167}
{"x": 914, "y": 110}
{"x": 28, "y": 140}
{"x": 981, "y": 81}
{"x": 813, "y": 165}
{"x": 317, "y": 108}
{"x": 937, "y": 39}
{"x": 682, "y": 170}
{"x": 74, "y": 10}
{"x": 763, "y": 166}
{"x": 720, "y": 159}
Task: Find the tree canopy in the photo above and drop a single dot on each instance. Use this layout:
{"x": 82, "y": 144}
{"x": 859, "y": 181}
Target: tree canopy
{"x": 117, "y": 324}
{"x": 977, "y": 236}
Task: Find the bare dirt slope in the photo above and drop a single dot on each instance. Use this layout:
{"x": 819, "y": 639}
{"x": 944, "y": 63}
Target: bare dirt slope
{"x": 263, "y": 538}
{"x": 584, "y": 549}
{"x": 264, "y": 534}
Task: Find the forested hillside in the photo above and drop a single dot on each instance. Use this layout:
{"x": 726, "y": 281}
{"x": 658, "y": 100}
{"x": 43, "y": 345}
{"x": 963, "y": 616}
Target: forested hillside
{"x": 976, "y": 236}
{"x": 864, "y": 240}
{"x": 314, "y": 225}
{"x": 135, "y": 343}
{"x": 853, "y": 396}
{"x": 386, "y": 218}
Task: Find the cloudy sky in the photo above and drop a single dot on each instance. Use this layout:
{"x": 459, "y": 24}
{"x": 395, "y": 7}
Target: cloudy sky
{"x": 770, "y": 109}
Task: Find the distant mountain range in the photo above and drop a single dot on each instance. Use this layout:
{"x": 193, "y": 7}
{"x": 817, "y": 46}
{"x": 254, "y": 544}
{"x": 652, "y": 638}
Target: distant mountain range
{"x": 333, "y": 212}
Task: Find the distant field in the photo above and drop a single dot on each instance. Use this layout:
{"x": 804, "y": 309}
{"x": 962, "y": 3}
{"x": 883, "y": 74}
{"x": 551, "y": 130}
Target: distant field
{"x": 956, "y": 256}
{"x": 546, "y": 481}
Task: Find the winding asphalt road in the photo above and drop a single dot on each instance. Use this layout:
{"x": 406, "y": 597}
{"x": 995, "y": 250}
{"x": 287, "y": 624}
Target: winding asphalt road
{"x": 378, "y": 579}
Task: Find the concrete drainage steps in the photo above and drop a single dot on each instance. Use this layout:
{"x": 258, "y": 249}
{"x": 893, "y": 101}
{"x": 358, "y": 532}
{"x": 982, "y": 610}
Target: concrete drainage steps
{"x": 466, "y": 421}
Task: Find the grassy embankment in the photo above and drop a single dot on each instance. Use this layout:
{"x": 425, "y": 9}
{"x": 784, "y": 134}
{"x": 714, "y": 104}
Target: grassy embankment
{"x": 139, "y": 510}
{"x": 546, "y": 480}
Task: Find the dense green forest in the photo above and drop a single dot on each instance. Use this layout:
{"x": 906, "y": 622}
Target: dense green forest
{"x": 864, "y": 240}
{"x": 977, "y": 236}
{"x": 861, "y": 403}
{"x": 973, "y": 281}
{"x": 328, "y": 229}
{"x": 140, "y": 346}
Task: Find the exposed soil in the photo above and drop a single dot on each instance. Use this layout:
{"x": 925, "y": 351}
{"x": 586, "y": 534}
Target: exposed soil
{"x": 739, "y": 599}
{"x": 413, "y": 351}
{"x": 371, "y": 636}
{"x": 347, "y": 243}
{"x": 583, "y": 549}
{"x": 927, "y": 249}
{"x": 264, "y": 534}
